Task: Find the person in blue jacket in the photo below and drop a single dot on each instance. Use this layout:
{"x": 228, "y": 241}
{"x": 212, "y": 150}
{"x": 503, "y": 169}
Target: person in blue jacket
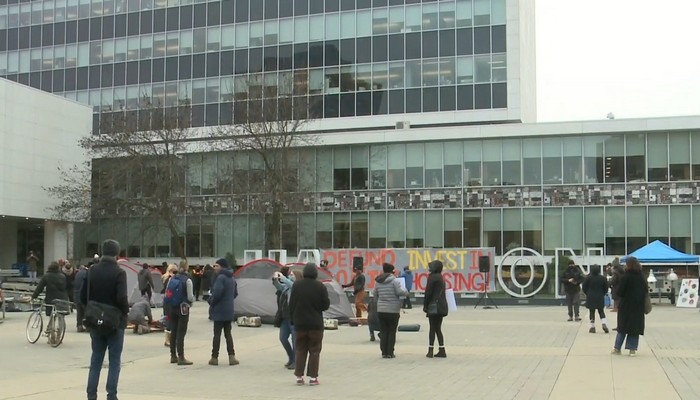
{"x": 223, "y": 293}
{"x": 407, "y": 275}
{"x": 282, "y": 282}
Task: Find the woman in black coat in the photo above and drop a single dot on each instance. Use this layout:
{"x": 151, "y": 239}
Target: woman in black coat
{"x": 435, "y": 294}
{"x": 632, "y": 290}
{"x": 595, "y": 286}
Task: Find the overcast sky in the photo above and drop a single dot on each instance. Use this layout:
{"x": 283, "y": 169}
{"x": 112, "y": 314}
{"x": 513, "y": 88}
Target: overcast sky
{"x": 634, "y": 58}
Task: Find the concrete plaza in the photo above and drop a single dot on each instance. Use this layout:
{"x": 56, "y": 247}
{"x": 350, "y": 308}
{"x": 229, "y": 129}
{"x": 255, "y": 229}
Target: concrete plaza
{"x": 519, "y": 352}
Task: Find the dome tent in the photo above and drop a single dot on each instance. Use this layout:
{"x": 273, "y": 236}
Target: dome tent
{"x": 256, "y": 293}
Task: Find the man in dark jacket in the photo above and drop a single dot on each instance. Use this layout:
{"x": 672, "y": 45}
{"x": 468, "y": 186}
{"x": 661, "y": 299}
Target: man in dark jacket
{"x": 146, "y": 281}
{"x": 106, "y": 282}
{"x": 55, "y": 284}
{"x": 79, "y": 307}
{"x": 208, "y": 276}
{"x": 221, "y": 310}
{"x": 407, "y": 275}
{"x": 572, "y": 279}
{"x": 307, "y": 302}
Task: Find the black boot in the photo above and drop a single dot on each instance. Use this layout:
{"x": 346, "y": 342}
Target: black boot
{"x": 430, "y": 352}
{"x": 441, "y": 352}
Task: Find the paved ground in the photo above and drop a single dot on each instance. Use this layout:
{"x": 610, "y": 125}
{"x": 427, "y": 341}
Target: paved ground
{"x": 509, "y": 353}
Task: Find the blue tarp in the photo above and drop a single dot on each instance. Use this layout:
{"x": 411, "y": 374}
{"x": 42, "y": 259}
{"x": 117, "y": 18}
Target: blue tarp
{"x": 661, "y": 253}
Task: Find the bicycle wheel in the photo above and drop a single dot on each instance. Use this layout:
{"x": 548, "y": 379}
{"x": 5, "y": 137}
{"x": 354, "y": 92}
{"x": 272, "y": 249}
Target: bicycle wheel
{"x": 35, "y": 325}
{"x": 59, "y": 330}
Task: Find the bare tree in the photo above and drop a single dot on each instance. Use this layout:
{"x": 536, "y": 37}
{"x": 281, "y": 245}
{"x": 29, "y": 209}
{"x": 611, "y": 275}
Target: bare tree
{"x": 268, "y": 123}
{"x": 139, "y": 166}
{"x": 72, "y": 193}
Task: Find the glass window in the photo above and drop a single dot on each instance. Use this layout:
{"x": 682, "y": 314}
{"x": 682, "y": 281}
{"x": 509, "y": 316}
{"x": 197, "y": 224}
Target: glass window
{"x": 396, "y": 166}
{"x": 396, "y": 232}
{"x": 532, "y": 228}
{"x": 679, "y": 156}
{"x": 551, "y": 161}
{"x": 472, "y": 163}
{"x": 452, "y": 156}
{"x": 434, "y": 231}
{"x": 492, "y": 230}
{"x": 324, "y": 230}
{"x": 317, "y": 30}
{"x": 413, "y": 74}
{"x": 257, "y": 32}
{"x": 396, "y": 19}
{"x": 512, "y": 221}
{"x": 359, "y": 174}
{"x": 532, "y": 161}
{"x": 511, "y": 162}
{"x": 447, "y": 15}
{"x": 573, "y": 229}
{"x": 498, "y": 68}
{"x": 483, "y": 68}
{"x": 347, "y": 25}
{"x": 498, "y": 12}
{"x": 286, "y": 31}
{"x": 228, "y": 35}
{"x": 341, "y": 230}
{"x": 364, "y": 23}
{"x": 492, "y": 162}
{"x": 482, "y": 12}
{"x": 452, "y": 231}
{"x": 271, "y": 33}
{"x": 593, "y": 160}
{"x": 614, "y": 159}
{"x": 433, "y": 165}
{"x": 573, "y": 160}
{"x": 680, "y": 228}
{"x": 594, "y": 227}
{"x": 324, "y": 161}
{"x": 359, "y": 234}
{"x": 414, "y": 229}
{"x": 377, "y": 230}
{"x": 301, "y": 29}
{"x": 553, "y": 234}
{"x": 465, "y": 70}
{"x": 414, "y": 165}
{"x": 242, "y": 36}
{"x": 472, "y": 228}
{"x": 658, "y": 223}
{"x": 657, "y": 160}
{"x": 378, "y": 165}
{"x": 306, "y": 231}
{"x": 636, "y": 228}
{"x": 463, "y": 13}
{"x": 341, "y": 168}
{"x": 430, "y": 72}
{"x": 332, "y": 27}
{"x": 635, "y": 165}
{"x": 615, "y": 230}
{"x": 413, "y": 18}
{"x": 430, "y": 17}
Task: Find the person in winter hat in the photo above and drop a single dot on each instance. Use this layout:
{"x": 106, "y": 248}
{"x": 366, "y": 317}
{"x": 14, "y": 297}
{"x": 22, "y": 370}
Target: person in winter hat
{"x": 572, "y": 279}
{"x": 435, "y": 294}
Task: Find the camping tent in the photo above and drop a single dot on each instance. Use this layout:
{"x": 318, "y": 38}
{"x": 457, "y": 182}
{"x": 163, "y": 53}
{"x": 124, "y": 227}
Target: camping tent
{"x": 256, "y": 294}
{"x": 658, "y": 252}
{"x": 132, "y": 283}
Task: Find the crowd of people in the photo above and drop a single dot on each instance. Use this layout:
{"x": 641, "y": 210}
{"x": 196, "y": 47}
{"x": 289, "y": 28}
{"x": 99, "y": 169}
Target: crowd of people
{"x": 301, "y": 301}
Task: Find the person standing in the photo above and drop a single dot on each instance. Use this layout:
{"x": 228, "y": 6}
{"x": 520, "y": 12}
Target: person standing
{"x": 407, "y": 275}
{"x": 106, "y": 282}
{"x": 388, "y": 292}
{"x": 595, "y": 286}
{"x": 358, "y": 285}
{"x": 307, "y": 302}
{"x": 54, "y": 281}
{"x": 572, "y": 279}
{"x": 435, "y": 308}
{"x": 197, "y": 281}
{"x": 617, "y": 273}
{"x": 170, "y": 272}
{"x": 179, "y": 296}
{"x": 632, "y": 290}
{"x": 79, "y": 307}
{"x": 69, "y": 272}
{"x": 221, "y": 310}
{"x": 283, "y": 284}
{"x": 208, "y": 276}
{"x": 32, "y": 261}
{"x": 146, "y": 281}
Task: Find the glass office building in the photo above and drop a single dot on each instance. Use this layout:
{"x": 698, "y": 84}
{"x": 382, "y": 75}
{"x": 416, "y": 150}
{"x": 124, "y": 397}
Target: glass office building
{"x": 350, "y": 58}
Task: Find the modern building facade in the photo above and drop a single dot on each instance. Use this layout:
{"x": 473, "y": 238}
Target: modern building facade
{"x": 426, "y": 112}
{"x": 32, "y": 147}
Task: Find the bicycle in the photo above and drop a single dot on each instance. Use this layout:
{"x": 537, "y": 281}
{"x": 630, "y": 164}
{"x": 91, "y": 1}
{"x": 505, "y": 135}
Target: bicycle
{"x": 56, "y": 328}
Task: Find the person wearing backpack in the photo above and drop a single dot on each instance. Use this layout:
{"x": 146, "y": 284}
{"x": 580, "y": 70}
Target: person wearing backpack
{"x": 223, "y": 293}
{"x": 179, "y": 296}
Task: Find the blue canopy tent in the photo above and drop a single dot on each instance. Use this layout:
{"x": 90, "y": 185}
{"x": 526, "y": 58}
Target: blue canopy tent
{"x": 658, "y": 252}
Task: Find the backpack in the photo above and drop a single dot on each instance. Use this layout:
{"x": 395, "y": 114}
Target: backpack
{"x": 176, "y": 292}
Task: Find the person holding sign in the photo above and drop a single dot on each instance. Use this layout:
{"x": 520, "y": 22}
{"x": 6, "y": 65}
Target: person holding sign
{"x": 435, "y": 308}
{"x": 388, "y": 292}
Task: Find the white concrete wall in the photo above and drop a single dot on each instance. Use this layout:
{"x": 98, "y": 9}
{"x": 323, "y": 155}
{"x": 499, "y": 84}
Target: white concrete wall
{"x": 58, "y": 241}
{"x": 38, "y": 132}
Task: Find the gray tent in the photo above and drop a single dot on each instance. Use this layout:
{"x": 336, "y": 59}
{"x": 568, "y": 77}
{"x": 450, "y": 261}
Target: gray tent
{"x": 256, "y": 294}
{"x": 132, "y": 285}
